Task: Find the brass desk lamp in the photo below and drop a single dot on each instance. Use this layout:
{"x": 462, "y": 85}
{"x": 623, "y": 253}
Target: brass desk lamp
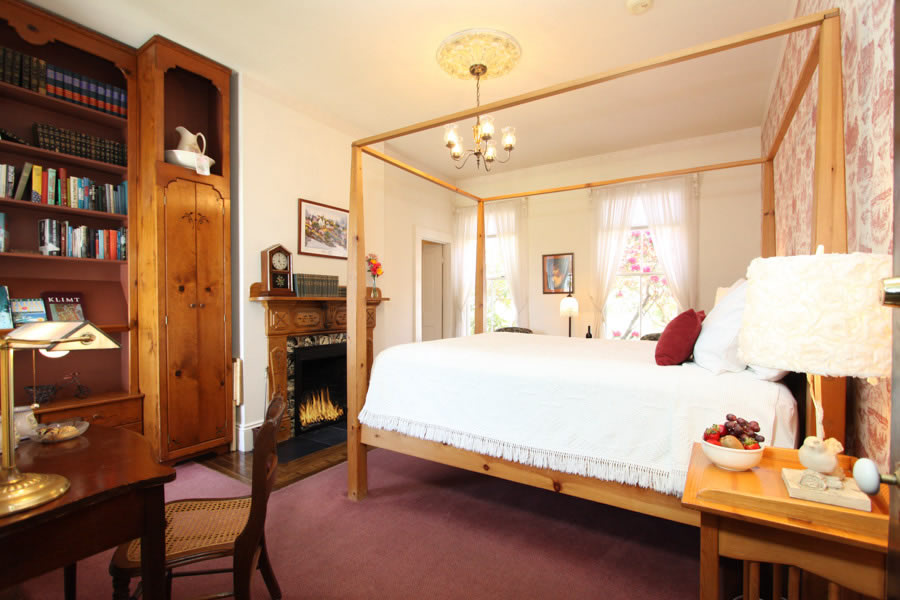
{"x": 21, "y": 491}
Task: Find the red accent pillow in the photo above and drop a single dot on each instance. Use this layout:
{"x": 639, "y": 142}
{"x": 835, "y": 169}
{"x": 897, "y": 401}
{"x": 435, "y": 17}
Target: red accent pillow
{"x": 676, "y": 343}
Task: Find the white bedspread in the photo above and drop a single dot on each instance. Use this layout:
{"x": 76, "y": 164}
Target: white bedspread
{"x": 600, "y": 408}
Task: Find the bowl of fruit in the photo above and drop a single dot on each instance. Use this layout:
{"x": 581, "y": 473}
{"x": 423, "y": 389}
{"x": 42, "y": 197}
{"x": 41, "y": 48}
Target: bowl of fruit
{"x": 734, "y": 445}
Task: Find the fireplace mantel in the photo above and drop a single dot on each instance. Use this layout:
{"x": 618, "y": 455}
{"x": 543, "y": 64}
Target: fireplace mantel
{"x": 288, "y": 316}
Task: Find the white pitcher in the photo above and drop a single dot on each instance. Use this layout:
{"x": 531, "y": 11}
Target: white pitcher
{"x": 188, "y": 141}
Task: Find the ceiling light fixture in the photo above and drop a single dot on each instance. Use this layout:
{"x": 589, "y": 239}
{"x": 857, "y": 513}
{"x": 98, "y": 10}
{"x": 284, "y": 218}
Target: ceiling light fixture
{"x": 482, "y": 54}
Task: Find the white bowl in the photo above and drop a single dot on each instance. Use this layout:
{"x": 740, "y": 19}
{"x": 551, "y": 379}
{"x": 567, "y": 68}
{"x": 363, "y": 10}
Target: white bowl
{"x": 183, "y": 158}
{"x": 731, "y": 459}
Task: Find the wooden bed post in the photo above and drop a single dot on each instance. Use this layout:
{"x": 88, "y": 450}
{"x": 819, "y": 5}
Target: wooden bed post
{"x": 829, "y": 196}
{"x": 356, "y": 332}
{"x": 830, "y": 199}
{"x": 768, "y": 210}
{"x": 479, "y": 271}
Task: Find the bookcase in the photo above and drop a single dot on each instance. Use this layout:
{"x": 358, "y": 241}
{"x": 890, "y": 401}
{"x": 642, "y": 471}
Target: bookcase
{"x": 184, "y": 255}
{"x": 108, "y": 286}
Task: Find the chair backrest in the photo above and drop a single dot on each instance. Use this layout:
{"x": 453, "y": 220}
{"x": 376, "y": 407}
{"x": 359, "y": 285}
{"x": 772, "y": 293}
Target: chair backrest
{"x": 265, "y": 463}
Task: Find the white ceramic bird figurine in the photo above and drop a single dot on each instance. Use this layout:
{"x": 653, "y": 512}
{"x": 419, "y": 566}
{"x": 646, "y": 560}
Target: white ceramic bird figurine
{"x": 818, "y": 455}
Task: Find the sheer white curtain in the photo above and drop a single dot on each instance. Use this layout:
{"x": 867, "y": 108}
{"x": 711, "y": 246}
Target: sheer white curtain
{"x": 672, "y": 210}
{"x": 463, "y": 265}
{"x": 510, "y": 220}
{"x": 611, "y": 225}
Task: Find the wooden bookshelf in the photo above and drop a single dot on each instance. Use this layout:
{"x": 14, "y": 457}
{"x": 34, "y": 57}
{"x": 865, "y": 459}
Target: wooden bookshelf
{"x": 57, "y": 105}
{"x": 107, "y": 285}
{"x": 58, "y": 158}
{"x": 52, "y": 209}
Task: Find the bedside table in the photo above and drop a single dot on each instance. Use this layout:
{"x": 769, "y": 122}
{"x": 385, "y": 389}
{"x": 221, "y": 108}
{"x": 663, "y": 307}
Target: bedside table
{"x": 749, "y": 516}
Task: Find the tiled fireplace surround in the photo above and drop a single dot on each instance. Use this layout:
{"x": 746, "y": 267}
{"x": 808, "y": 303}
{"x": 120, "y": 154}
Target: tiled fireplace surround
{"x": 292, "y": 321}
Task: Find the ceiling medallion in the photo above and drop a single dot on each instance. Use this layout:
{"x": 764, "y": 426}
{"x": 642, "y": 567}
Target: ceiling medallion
{"x": 479, "y": 54}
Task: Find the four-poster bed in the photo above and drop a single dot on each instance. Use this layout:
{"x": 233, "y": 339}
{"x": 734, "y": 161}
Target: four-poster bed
{"x": 830, "y": 230}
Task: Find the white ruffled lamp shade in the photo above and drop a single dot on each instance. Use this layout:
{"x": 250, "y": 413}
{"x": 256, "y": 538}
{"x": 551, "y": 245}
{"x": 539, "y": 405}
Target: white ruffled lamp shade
{"x": 568, "y": 307}
{"x": 820, "y": 314}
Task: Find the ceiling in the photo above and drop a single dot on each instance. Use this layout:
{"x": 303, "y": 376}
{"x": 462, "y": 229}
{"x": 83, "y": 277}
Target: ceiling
{"x": 369, "y": 64}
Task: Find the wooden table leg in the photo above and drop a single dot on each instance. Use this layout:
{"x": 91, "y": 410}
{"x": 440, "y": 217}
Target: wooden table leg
{"x": 793, "y": 583}
{"x": 153, "y": 545}
{"x": 709, "y": 557}
{"x": 70, "y": 581}
{"x": 834, "y": 591}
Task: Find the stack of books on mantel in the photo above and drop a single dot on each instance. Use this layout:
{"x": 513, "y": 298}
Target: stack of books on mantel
{"x": 307, "y": 285}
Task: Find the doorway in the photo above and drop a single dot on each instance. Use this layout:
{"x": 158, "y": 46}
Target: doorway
{"x": 432, "y": 291}
{"x": 433, "y": 315}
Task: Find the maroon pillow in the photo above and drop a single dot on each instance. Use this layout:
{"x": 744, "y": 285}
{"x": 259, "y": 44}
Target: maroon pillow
{"x": 676, "y": 344}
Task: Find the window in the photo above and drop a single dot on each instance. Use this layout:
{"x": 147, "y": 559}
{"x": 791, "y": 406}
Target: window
{"x": 640, "y": 301}
{"x": 498, "y": 307}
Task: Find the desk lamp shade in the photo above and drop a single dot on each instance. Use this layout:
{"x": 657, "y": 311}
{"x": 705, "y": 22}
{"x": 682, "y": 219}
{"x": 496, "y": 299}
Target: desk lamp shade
{"x": 820, "y": 314}
{"x": 568, "y": 307}
{"x": 21, "y": 491}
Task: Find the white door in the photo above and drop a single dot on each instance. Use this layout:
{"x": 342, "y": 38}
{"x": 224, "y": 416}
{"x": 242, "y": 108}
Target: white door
{"x": 432, "y": 291}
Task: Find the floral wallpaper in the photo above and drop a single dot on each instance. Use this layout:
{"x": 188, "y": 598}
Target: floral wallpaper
{"x": 867, "y": 31}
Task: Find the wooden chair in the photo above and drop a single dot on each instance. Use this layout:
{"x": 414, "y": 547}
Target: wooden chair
{"x": 206, "y": 529}
{"x": 515, "y": 330}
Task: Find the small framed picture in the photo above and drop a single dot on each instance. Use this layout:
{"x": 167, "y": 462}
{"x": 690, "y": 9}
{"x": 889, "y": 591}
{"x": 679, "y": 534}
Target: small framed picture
{"x": 323, "y": 229}
{"x": 559, "y": 273}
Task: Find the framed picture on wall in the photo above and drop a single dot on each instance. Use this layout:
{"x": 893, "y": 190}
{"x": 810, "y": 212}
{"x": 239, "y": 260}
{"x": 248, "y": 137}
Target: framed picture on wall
{"x": 323, "y": 229}
{"x": 559, "y": 273}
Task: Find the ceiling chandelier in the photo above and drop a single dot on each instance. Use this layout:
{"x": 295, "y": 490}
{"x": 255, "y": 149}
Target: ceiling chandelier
{"x": 482, "y": 54}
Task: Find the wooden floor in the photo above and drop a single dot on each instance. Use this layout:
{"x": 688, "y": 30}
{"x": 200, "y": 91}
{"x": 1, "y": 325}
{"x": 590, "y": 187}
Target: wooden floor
{"x": 239, "y": 465}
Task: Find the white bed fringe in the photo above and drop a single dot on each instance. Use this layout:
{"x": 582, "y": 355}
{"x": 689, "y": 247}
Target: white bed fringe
{"x": 660, "y": 480}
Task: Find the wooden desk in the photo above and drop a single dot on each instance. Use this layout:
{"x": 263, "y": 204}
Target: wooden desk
{"x": 116, "y": 495}
{"x": 749, "y": 516}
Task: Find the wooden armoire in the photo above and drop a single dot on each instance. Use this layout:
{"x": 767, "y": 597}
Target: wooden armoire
{"x": 184, "y": 255}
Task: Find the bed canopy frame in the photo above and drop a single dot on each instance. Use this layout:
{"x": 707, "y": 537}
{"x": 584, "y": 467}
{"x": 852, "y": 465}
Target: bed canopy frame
{"x": 829, "y": 229}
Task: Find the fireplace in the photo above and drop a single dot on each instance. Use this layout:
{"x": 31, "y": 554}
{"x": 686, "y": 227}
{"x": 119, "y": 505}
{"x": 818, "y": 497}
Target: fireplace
{"x": 293, "y": 322}
{"x": 320, "y": 385}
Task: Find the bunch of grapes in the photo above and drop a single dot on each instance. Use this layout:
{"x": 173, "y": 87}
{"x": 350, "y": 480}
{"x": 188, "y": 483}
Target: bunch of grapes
{"x": 735, "y": 432}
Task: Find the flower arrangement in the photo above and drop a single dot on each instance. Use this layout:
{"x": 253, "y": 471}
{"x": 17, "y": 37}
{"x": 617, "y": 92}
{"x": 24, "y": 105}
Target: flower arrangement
{"x": 375, "y": 270}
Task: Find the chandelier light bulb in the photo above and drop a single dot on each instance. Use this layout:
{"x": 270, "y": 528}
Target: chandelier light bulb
{"x": 490, "y": 153}
{"x": 456, "y": 151}
{"x": 451, "y": 135}
{"x": 509, "y": 138}
{"x": 487, "y": 127}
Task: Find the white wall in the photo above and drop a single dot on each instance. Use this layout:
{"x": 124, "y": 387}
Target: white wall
{"x": 285, "y": 155}
{"x": 730, "y": 206}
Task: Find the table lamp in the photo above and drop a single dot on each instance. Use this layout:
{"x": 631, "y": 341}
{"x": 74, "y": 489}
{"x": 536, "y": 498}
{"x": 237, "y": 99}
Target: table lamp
{"x": 819, "y": 314}
{"x": 569, "y": 308}
{"x": 21, "y": 491}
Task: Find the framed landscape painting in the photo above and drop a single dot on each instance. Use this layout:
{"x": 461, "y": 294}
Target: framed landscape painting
{"x": 323, "y": 230}
{"x": 559, "y": 275}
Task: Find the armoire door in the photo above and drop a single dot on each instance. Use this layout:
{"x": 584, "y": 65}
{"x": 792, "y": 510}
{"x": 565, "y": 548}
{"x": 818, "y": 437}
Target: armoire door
{"x": 212, "y": 367}
{"x": 195, "y": 402}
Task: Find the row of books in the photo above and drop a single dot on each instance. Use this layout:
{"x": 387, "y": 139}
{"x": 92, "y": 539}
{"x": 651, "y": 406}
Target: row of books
{"x": 61, "y": 238}
{"x": 55, "y": 187}
{"x": 38, "y": 76}
{"x": 306, "y": 285}
{"x": 80, "y": 144}
{"x": 58, "y": 306}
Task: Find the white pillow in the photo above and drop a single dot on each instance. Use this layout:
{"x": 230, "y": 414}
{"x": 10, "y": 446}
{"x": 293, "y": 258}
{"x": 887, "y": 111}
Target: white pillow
{"x": 717, "y": 346}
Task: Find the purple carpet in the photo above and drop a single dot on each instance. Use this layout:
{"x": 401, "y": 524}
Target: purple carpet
{"x": 430, "y": 531}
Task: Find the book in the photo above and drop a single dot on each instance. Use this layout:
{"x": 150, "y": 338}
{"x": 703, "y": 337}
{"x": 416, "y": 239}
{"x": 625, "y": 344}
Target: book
{"x": 6, "y": 320}
{"x": 64, "y": 306}
{"x": 10, "y": 181}
{"x": 51, "y": 187}
{"x": 23, "y": 181}
{"x": 36, "y": 179}
{"x": 45, "y": 173}
{"x": 27, "y": 310}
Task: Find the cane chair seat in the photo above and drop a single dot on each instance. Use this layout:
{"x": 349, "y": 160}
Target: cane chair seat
{"x": 212, "y": 525}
